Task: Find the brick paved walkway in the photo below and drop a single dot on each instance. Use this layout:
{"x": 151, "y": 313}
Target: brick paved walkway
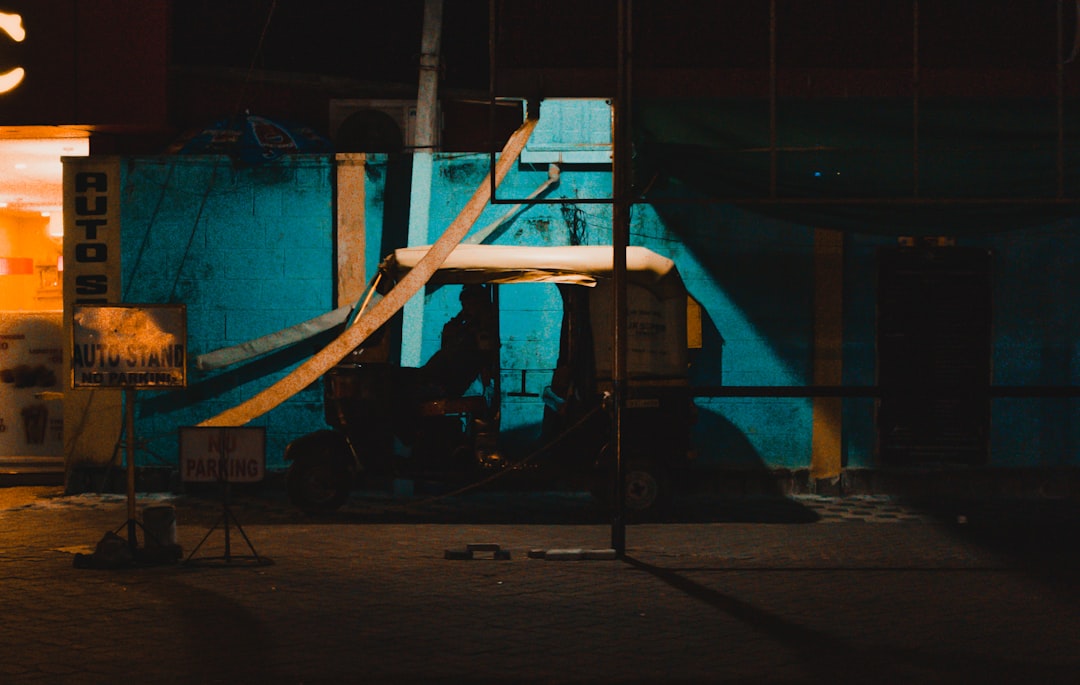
{"x": 753, "y": 591}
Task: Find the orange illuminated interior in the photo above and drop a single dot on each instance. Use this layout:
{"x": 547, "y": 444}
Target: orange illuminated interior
{"x": 31, "y": 216}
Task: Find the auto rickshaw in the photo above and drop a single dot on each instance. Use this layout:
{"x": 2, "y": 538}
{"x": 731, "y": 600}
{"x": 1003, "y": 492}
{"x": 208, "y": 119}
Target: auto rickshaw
{"x": 387, "y": 422}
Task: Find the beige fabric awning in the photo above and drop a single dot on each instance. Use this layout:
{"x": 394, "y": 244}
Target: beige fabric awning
{"x": 578, "y": 264}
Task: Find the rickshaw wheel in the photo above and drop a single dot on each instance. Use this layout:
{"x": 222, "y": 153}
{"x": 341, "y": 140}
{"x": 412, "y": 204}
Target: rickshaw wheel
{"x": 646, "y": 485}
{"x": 317, "y": 483}
{"x": 643, "y": 485}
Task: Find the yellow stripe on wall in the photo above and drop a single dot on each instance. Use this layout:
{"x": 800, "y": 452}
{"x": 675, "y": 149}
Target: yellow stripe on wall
{"x": 825, "y": 443}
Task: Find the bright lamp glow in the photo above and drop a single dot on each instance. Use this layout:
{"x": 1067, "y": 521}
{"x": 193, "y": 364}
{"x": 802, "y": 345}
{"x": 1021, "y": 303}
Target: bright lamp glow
{"x": 12, "y": 25}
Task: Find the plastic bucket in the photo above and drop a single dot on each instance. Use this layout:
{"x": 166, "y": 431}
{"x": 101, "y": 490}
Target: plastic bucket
{"x": 159, "y": 521}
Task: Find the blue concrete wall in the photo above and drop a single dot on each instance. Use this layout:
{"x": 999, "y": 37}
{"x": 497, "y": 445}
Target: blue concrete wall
{"x": 531, "y": 313}
{"x": 1036, "y": 342}
{"x": 754, "y": 285}
{"x": 860, "y": 350}
{"x": 249, "y": 251}
{"x": 753, "y": 276}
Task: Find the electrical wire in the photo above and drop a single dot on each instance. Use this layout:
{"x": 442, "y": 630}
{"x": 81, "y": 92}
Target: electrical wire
{"x": 254, "y": 59}
{"x": 194, "y": 229}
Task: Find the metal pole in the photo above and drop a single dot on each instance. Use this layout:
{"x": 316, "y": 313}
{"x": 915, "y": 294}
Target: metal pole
{"x": 224, "y": 480}
{"x": 427, "y": 124}
{"x": 1060, "y": 100}
{"x": 620, "y": 233}
{"x": 772, "y": 98}
{"x": 129, "y": 452}
{"x": 915, "y": 98}
{"x": 422, "y": 170}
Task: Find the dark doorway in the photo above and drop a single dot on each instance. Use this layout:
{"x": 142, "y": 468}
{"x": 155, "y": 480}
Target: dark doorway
{"x": 369, "y": 130}
{"x": 933, "y": 355}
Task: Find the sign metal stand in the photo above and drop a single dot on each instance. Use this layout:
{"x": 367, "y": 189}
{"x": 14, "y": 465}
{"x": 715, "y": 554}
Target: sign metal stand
{"x": 232, "y": 445}
{"x": 129, "y": 458}
{"x": 128, "y": 347}
{"x": 223, "y": 521}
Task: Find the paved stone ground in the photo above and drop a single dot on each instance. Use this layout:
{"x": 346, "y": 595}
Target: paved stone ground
{"x": 770, "y": 590}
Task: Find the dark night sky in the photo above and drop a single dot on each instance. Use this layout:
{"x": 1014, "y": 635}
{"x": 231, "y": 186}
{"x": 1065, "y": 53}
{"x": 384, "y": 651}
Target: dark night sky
{"x": 362, "y": 39}
{"x": 379, "y": 40}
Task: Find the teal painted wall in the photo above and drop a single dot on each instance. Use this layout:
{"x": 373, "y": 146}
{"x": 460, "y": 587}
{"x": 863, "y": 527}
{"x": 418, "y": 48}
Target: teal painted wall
{"x": 531, "y": 313}
{"x": 1036, "y": 342}
{"x": 249, "y": 251}
{"x": 753, "y": 276}
{"x": 860, "y": 350}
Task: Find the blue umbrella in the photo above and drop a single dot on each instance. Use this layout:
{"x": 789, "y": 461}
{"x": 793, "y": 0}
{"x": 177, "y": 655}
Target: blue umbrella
{"x": 253, "y": 139}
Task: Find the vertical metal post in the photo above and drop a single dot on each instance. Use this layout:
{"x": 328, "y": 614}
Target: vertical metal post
{"x": 427, "y": 124}
{"x": 1060, "y": 100}
{"x": 915, "y": 95}
{"x": 423, "y": 160}
{"x": 129, "y": 456}
{"x": 492, "y": 70}
{"x": 620, "y": 238}
{"x": 772, "y": 99}
{"x": 223, "y": 478}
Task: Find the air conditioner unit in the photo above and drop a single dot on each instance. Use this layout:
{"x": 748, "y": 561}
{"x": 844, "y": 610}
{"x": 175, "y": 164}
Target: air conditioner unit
{"x": 401, "y": 112}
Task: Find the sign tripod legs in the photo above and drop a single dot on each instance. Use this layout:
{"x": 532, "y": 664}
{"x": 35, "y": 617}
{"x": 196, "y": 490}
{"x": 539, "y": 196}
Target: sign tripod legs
{"x": 224, "y": 520}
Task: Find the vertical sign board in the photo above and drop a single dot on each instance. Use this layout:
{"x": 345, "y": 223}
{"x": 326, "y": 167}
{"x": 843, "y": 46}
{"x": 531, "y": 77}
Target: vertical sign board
{"x": 91, "y": 276}
{"x": 128, "y": 346}
{"x": 91, "y": 230}
{"x": 222, "y": 455}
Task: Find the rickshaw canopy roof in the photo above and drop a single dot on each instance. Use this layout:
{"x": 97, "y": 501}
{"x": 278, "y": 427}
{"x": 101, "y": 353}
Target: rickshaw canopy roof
{"x": 575, "y": 264}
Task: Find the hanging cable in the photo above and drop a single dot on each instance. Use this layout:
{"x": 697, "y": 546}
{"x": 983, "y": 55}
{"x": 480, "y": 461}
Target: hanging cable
{"x": 254, "y": 59}
{"x": 194, "y": 229}
{"x": 146, "y": 233}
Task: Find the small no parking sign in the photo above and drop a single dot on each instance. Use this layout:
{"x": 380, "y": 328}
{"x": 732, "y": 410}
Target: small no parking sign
{"x": 222, "y": 455}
